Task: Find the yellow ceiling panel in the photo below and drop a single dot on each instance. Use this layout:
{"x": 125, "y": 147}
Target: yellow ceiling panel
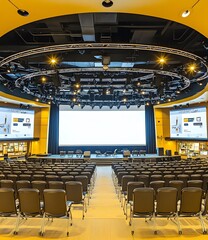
{"x": 167, "y": 9}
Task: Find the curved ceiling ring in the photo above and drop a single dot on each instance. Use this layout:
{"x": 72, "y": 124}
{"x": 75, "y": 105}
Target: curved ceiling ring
{"x": 64, "y": 47}
{"x": 119, "y": 46}
{"x": 74, "y": 70}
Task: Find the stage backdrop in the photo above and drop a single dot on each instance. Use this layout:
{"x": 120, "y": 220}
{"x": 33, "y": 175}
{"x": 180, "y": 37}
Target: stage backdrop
{"x": 54, "y": 148}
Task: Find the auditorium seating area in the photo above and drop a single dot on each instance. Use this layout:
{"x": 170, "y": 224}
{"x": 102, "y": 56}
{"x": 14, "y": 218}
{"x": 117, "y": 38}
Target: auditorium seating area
{"x": 170, "y": 189}
{"x": 40, "y": 190}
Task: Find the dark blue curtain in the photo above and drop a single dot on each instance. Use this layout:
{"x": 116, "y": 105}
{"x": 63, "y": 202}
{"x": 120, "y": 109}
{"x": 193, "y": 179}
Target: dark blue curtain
{"x": 53, "y": 141}
{"x": 150, "y": 129}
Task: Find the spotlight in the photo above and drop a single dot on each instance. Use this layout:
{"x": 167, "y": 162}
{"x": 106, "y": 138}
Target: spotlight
{"x": 162, "y": 60}
{"x": 37, "y": 99}
{"x": 107, "y": 3}
{"x": 21, "y": 12}
{"x": 192, "y": 67}
{"x": 53, "y": 61}
{"x": 77, "y": 85}
{"x": 8, "y": 69}
{"x": 147, "y": 104}
{"x": 43, "y": 79}
{"x": 107, "y": 92}
{"x": 124, "y": 100}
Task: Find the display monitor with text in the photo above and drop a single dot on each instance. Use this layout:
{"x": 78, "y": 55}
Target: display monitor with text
{"x": 16, "y": 123}
{"x": 87, "y": 127}
{"x": 188, "y": 123}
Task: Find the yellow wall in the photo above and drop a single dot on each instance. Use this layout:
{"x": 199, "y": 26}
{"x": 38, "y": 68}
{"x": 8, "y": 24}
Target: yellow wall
{"x": 41, "y": 131}
{"x": 162, "y": 131}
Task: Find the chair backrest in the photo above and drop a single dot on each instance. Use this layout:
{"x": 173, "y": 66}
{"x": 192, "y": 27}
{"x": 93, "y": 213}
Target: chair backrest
{"x": 41, "y": 186}
{"x": 84, "y": 180}
{"x": 195, "y": 183}
{"x": 166, "y": 200}
{"x": 205, "y": 181}
{"x": 38, "y": 177}
{"x": 67, "y": 178}
{"x": 25, "y": 177}
{"x": 156, "y": 177}
{"x": 124, "y": 181}
{"x": 130, "y": 188}
{"x": 7, "y": 183}
{"x": 177, "y": 184}
{"x": 55, "y": 202}
{"x": 143, "y": 200}
{"x": 13, "y": 177}
{"x": 206, "y": 205}
{"x": 143, "y": 178}
{"x": 184, "y": 178}
{"x": 167, "y": 178}
{"x": 195, "y": 177}
{"x": 156, "y": 185}
{"x": 23, "y": 184}
{"x": 74, "y": 191}
{"x": 29, "y": 201}
{"x": 52, "y": 177}
{"x": 56, "y": 185}
{"x": 7, "y": 201}
{"x": 120, "y": 175}
{"x": 191, "y": 198}
{"x": 2, "y": 176}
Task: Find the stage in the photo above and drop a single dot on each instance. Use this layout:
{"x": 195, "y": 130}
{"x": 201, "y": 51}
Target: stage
{"x": 102, "y": 159}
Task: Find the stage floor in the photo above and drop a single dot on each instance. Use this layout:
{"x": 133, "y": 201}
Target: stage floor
{"x": 104, "y": 158}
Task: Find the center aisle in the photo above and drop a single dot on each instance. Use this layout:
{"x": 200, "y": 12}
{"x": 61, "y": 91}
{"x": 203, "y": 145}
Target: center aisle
{"x": 105, "y": 219}
{"x": 105, "y": 203}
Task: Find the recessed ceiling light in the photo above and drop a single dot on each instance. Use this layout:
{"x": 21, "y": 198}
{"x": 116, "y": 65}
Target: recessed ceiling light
{"x": 22, "y": 12}
{"x": 186, "y": 13}
{"x": 107, "y": 3}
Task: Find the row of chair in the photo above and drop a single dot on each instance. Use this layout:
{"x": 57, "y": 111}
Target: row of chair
{"x": 145, "y": 205}
{"x": 55, "y": 204}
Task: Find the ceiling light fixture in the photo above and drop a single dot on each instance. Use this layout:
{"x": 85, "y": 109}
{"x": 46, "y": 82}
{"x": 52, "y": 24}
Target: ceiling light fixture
{"x": 107, "y": 3}
{"x": 187, "y": 12}
{"x": 162, "y": 60}
{"x": 21, "y": 12}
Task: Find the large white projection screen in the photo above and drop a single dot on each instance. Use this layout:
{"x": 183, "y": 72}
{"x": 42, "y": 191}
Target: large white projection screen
{"x": 89, "y": 127}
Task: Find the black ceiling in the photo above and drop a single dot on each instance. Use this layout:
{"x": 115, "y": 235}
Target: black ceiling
{"x": 123, "y": 82}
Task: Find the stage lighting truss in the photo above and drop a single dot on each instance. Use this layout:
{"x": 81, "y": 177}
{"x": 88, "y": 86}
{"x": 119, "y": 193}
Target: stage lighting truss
{"x": 135, "y": 92}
